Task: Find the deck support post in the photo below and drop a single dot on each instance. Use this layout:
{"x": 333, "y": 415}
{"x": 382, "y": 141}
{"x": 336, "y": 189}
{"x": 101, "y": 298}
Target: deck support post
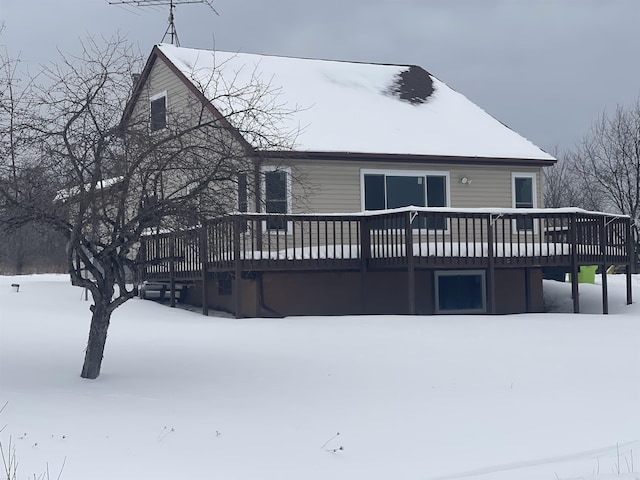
{"x": 631, "y": 257}
{"x": 172, "y": 270}
{"x": 629, "y": 289}
{"x": 203, "y": 269}
{"x": 573, "y": 241}
{"x": 603, "y": 253}
{"x": 605, "y": 291}
{"x": 365, "y": 254}
{"x": 527, "y": 290}
{"x": 491, "y": 270}
{"x": 141, "y": 271}
{"x": 237, "y": 264}
{"x": 411, "y": 273}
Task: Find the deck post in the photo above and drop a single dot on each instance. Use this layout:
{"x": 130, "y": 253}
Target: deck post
{"x": 491, "y": 270}
{"x": 411, "y": 273}
{"x": 203, "y": 269}
{"x": 237, "y": 264}
{"x": 172, "y": 270}
{"x": 365, "y": 254}
{"x": 605, "y": 291}
{"x": 141, "y": 270}
{"x": 573, "y": 241}
{"x": 527, "y": 289}
{"x": 603, "y": 252}
{"x": 631, "y": 258}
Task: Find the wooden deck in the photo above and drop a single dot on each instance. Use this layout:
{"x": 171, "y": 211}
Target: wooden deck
{"x": 405, "y": 239}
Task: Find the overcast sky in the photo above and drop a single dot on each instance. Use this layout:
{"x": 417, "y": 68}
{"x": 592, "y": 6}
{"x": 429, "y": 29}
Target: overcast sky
{"x": 546, "y": 68}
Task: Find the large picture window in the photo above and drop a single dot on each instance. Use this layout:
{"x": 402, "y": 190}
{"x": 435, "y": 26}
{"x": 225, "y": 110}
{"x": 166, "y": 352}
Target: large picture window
{"x": 277, "y": 197}
{"x": 395, "y": 189}
{"x": 524, "y": 196}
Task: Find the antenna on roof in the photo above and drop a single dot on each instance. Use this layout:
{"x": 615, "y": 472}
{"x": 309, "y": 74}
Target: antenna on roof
{"x": 171, "y": 28}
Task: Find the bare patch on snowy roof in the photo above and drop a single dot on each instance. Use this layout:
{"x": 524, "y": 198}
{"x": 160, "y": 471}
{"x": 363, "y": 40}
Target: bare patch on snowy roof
{"x": 413, "y": 85}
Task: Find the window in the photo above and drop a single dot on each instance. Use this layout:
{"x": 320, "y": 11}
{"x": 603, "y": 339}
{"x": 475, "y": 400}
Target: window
{"x": 524, "y": 196}
{"x": 243, "y": 204}
{"x": 277, "y": 188}
{"x": 398, "y": 188}
{"x": 460, "y": 291}
{"x": 158, "y": 112}
{"x": 243, "y": 199}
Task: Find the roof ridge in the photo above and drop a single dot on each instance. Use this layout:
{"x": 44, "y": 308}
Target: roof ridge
{"x": 275, "y": 55}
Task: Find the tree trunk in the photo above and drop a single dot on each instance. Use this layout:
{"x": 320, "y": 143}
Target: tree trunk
{"x": 97, "y": 339}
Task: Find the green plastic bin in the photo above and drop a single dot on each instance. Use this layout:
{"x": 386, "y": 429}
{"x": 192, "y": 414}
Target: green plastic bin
{"x": 586, "y": 274}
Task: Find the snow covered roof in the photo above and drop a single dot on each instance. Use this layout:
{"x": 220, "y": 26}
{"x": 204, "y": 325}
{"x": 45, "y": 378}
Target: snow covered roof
{"x": 358, "y": 107}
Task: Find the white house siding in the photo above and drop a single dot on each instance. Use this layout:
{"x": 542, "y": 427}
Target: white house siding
{"x": 334, "y": 186}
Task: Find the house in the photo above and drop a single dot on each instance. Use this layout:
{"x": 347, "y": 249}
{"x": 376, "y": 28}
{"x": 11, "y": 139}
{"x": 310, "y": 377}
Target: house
{"x": 451, "y": 197}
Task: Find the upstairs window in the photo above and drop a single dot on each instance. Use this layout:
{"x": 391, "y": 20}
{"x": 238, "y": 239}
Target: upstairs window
{"x": 158, "y": 112}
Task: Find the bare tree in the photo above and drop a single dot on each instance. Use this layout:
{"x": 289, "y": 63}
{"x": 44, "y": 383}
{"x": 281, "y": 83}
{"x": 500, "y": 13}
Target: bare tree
{"x": 564, "y": 187}
{"x": 607, "y": 162}
{"x": 559, "y": 184}
{"x": 107, "y": 181}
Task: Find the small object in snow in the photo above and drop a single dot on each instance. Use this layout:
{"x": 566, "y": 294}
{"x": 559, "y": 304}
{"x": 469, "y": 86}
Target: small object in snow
{"x": 16, "y": 287}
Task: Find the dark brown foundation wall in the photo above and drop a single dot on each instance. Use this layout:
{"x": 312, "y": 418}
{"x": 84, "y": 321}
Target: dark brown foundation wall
{"x": 345, "y": 293}
{"x": 511, "y": 293}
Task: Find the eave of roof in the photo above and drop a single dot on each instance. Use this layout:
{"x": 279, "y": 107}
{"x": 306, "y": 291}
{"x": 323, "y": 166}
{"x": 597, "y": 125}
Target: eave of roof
{"x": 392, "y": 157}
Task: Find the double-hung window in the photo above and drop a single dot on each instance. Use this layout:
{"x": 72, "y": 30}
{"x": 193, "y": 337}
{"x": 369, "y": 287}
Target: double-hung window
{"x": 158, "y": 112}
{"x": 398, "y": 188}
{"x": 524, "y": 196}
{"x": 277, "y": 195}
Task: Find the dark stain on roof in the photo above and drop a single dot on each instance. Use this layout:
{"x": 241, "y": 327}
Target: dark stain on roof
{"x": 413, "y": 85}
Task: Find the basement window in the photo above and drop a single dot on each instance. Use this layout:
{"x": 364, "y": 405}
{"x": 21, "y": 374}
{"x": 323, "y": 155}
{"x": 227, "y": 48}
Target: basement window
{"x": 460, "y": 291}
{"x": 158, "y": 112}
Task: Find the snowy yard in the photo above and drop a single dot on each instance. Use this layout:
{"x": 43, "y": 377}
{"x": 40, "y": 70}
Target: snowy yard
{"x": 537, "y": 396}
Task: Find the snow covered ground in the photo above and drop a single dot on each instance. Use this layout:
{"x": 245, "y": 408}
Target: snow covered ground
{"x": 539, "y": 396}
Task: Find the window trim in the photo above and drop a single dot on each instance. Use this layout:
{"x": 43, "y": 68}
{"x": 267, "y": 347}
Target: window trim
{"x": 465, "y": 273}
{"x": 408, "y": 173}
{"x": 152, "y": 98}
{"x": 534, "y": 198}
{"x": 263, "y": 195}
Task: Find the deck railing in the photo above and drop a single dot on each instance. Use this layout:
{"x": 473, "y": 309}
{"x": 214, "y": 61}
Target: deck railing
{"x": 424, "y": 238}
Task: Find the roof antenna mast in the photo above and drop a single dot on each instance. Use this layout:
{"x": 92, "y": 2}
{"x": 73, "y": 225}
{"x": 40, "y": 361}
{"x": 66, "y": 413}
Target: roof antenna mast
{"x": 171, "y": 28}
